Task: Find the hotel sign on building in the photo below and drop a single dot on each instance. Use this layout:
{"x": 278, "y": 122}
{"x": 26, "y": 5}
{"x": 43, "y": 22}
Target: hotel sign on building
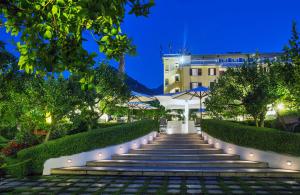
{"x": 184, "y": 72}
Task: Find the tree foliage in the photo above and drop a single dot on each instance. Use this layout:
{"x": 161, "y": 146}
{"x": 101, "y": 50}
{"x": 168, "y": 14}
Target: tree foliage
{"x": 51, "y": 31}
{"x": 26, "y": 100}
{"x": 248, "y": 89}
{"x": 290, "y": 68}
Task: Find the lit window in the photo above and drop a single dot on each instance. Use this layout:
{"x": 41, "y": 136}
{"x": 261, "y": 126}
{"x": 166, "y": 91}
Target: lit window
{"x": 196, "y": 72}
{"x": 167, "y": 82}
{"x": 212, "y": 71}
{"x": 195, "y": 85}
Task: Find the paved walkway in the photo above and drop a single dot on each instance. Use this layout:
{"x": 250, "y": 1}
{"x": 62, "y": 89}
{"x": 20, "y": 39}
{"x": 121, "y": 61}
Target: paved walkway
{"x": 148, "y": 185}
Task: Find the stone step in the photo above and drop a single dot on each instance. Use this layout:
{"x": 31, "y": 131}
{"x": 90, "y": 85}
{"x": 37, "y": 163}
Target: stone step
{"x": 177, "y": 171}
{"x": 179, "y": 135}
{"x": 175, "y": 157}
{"x": 176, "y": 151}
{"x": 177, "y": 146}
{"x": 172, "y": 142}
{"x": 160, "y": 163}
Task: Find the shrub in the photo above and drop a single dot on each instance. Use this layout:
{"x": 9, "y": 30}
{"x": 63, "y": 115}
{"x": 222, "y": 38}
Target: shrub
{"x": 12, "y": 148}
{"x": 275, "y": 124}
{"x": 3, "y": 141}
{"x": 81, "y": 142}
{"x": 260, "y": 138}
{"x": 8, "y": 132}
{"x": 82, "y": 127}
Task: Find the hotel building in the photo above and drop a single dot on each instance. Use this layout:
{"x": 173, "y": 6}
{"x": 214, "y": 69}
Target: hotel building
{"x": 184, "y": 72}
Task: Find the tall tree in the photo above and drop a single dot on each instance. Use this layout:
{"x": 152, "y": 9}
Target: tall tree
{"x": 51, "y": 31}
{"x": 290, "y": 67}
{"x": 247, "y": 89}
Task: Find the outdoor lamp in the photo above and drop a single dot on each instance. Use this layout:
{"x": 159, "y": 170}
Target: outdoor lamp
{"x": 69, "y": 161}
{"x": 121, "y": 149}
{"x": 289, "y": 163}
{"x": 280, "y": 106}
{"x": 251, "y": 154}
{"x": 48, "y": 118}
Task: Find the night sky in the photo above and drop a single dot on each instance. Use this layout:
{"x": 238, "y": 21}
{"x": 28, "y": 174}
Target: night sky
{"x": 202, "y": 26}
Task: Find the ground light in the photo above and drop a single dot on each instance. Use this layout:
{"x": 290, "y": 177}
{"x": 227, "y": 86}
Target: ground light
{"x": 289, "y": 163}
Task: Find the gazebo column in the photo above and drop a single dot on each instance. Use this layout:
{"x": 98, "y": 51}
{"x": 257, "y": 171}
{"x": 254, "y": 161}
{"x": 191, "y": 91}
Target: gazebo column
{"x": 186, "y": 117}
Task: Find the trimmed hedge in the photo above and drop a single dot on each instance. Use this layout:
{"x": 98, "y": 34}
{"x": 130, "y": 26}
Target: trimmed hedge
{"x": 77, "y": 143}
{"x": 260, "y": 138}
{"x": 3, "y": 141}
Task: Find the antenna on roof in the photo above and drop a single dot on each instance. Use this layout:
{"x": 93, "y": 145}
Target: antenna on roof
{"x": 170, "y": 47}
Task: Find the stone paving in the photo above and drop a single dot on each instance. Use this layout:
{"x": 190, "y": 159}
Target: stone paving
{"x": 92, "y": 185}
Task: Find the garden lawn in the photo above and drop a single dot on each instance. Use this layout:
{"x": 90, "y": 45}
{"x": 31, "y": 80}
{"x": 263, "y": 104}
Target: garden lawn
{"x": 266, "y": 139}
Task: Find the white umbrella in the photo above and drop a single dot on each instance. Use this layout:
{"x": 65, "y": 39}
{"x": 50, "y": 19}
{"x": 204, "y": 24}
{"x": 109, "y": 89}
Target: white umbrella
{"x": 196, "y": 93}
{"x": 140, "y": 97}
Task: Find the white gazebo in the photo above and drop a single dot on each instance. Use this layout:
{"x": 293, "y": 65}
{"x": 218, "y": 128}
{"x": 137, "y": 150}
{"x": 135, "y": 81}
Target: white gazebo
{"x": 170, "y": 103}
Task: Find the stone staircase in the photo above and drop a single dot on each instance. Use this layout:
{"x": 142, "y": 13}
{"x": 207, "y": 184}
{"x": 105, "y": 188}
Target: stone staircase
{"x": 177, "y": 155}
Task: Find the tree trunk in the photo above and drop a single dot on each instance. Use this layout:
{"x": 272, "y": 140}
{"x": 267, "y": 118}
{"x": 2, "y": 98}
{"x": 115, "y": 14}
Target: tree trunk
{"x": 262, "y": 119}
{"x": 122, "y": 64}
{"x": 256, "y": 121}
{"x": 47, "y": 136}
{"x": 281, "y": 121}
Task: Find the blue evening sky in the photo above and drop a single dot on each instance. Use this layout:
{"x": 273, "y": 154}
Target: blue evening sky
{"x": 203, "y": 26}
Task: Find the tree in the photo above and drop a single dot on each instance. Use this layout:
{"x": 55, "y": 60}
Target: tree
{"x": 51, "y": 31}
{"x": 108, "y": 89}
{"x": 247, "y": 89}
{"x": 290, "y": 67}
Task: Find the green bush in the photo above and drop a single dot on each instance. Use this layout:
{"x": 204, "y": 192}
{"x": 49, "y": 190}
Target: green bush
{"x": 260, "y": 138}
{"x": 82, "y": 127}
{"x": 275, "y": 124}
{"x": 3, "y": 142}
{"x": 80, "y": 142}
{"x": 8, "y": 132}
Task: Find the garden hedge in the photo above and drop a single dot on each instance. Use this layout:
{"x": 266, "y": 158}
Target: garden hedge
{"x": 77, "y": 143}
{"x": 260, "y": 138}
{"x": 3, "y": 141}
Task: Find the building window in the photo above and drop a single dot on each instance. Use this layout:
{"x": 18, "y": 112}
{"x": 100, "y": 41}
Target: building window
{"x": 177, "y": 78}
{"x": 241, "y": 59}
{"x": 199, "y": 71}
{"x": 167, "y": 69}
{"x": 221, "y": 72}
{"x": 177, "y": 90}
{"x": 212, "y": 84}
{"x": 195, "y": 71}
{"x": 193, "y": 85}
{"x": 229, "y": 59}
{"x": 166, "y": 82}
{"x": 212, "y": 71}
